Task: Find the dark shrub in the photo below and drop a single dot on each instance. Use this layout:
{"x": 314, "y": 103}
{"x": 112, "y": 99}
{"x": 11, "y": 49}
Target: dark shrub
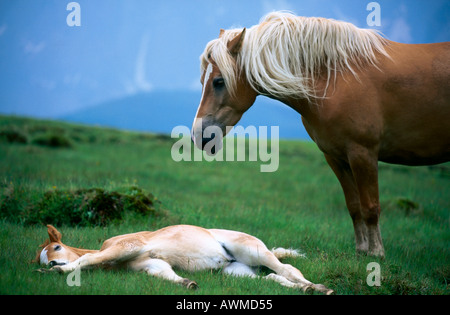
{"x": 52, "y": 140}
{"x": 12, "y": 136}
{"x": 82, "y": 207}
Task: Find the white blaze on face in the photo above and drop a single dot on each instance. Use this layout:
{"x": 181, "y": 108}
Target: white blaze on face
{"x": 208, "y": 72}
{"x": 43, "y": 257}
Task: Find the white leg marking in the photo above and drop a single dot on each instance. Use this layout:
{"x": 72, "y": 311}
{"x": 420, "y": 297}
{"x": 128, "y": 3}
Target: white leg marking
{"x": 239, "y": 269}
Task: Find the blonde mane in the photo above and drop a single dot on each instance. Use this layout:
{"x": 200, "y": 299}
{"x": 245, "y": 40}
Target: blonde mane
{"x": 285, "y": 54}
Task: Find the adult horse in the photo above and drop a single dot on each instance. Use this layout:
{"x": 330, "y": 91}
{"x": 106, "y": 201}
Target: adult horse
{"x": 362, "y": 99}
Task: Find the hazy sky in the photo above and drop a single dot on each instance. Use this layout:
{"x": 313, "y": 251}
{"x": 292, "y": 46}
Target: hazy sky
{"x": 123, "y": 47}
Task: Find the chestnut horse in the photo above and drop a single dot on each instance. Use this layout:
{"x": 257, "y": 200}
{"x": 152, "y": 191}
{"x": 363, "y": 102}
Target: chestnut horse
{"x": 362, "y": 99}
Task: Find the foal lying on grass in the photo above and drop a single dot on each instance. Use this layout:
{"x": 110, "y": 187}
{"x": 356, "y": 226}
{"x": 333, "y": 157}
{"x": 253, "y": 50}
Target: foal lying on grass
{"x": 185, "y": 247}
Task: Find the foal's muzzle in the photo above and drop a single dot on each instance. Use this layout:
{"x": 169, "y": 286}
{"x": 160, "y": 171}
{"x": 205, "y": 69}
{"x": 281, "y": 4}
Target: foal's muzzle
{"x": 56, "y": 263}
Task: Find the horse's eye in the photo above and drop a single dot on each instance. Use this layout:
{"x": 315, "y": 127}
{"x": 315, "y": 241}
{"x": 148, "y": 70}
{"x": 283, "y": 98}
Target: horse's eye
{"x": 57, "y": 247}
{"x": 218, "y": 82}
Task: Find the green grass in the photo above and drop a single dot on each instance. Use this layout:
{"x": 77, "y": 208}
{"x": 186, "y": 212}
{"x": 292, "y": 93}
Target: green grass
{"x": 299, "y": 206}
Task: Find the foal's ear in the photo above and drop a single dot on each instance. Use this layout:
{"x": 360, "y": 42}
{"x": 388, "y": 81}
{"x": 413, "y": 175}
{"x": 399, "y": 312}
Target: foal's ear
{"x": 222, "y": 31}
{"x": 53, "y": 234}
{"x": 235, "y": 45}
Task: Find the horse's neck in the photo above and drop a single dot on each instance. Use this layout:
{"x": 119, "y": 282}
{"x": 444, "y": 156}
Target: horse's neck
{"x": 301, "y": 106}
{"x": 81, "y": 251}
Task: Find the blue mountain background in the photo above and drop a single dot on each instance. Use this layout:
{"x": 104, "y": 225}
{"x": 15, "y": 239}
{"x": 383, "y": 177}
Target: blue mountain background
{"x": 161, "y": 110}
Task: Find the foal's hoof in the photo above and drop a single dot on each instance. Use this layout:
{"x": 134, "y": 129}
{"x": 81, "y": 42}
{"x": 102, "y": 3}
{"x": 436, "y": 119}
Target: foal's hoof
{"x": 308, "y": 289}
{"x": 53, "y": 269}
{"x": 323, "y": 289}
{"x": 57, "y": 269}
{"x": 192, "y": 285}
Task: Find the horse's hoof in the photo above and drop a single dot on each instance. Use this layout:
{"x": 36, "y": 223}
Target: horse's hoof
{"x": 56, "y": 269}
{"x": 192, "y": 285}
{"x": 323, "y": 289}
{"x": 308, "y": 289}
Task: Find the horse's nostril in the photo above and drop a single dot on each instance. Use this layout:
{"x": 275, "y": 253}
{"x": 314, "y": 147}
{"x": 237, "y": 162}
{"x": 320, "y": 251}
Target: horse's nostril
{"x": 212, "y": 145}
{"x": 206, "y": 139}
{"x": 55, "y": 263}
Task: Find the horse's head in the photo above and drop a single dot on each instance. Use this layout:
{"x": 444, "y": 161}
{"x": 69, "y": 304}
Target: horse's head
{"x": 53, "y": 252}
{"x": 226, "y": 94}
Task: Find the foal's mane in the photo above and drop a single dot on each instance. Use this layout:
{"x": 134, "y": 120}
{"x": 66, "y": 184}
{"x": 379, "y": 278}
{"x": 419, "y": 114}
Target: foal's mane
{"x": 285, "y": 55}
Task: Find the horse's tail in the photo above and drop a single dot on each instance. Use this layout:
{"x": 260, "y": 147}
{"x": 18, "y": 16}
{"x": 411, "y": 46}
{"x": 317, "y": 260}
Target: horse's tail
{"x": 281, "y": 253}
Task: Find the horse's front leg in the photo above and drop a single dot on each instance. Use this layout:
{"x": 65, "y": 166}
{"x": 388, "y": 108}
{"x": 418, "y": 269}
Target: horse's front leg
{"x": 344, "y": 174}
{"x": 364, "y": 166}
{"x": 109, "y": 256}
{"x": 160, "y": 268}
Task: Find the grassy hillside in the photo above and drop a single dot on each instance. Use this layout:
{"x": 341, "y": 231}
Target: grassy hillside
{"x": 299, "y": 206}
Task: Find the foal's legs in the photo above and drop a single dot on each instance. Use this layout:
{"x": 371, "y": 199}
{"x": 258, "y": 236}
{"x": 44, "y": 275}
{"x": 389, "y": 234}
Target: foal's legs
{"x": 287, "y": 274}
{"x": 250, "y": 251}
{"x": 160, "y": 268}
{"x": 110, "y": 255}
{"x": 345, "y": 176}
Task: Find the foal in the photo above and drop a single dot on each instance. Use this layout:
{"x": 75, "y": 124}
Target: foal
{"x": 185, "y": 247}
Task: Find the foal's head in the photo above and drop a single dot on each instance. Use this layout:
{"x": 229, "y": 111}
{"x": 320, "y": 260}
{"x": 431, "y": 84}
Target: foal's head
{"x": 226, "y": 94}
{"x": 54, "y": 252}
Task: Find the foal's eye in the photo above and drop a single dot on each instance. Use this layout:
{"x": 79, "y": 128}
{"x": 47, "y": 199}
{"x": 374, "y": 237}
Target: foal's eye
{"x": 57, "y": 247}
{"x": 218, "y": 82}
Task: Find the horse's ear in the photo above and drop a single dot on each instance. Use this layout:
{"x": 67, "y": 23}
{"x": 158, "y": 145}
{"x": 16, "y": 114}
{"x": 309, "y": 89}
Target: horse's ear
{"x": 222, "y": 31}
{"x": 53, "y": 234}
{"x": 235, "y": 45}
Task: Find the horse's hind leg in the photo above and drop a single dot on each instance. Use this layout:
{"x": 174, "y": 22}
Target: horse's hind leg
{"x": 250, "y": 251}
{"x": 286, "y": 274}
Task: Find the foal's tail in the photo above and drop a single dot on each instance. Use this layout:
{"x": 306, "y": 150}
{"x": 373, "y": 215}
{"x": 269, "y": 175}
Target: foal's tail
{"x": 281, "y": 253}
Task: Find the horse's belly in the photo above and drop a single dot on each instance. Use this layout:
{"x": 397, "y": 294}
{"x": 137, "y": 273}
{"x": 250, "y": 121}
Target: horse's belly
{"x": 413, "y": 160}
{"x": 193, "y": 258}
{"x": 188, "y": 248}
{"x": 415, "y": 151}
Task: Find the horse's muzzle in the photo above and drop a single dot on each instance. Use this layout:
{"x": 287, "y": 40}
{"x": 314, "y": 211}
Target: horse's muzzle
{"x": 210, "y": 143}
{"x": 56, "y": 263}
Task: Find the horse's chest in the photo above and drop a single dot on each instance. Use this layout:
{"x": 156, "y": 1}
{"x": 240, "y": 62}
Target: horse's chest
{"x": 326, "y": 137}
